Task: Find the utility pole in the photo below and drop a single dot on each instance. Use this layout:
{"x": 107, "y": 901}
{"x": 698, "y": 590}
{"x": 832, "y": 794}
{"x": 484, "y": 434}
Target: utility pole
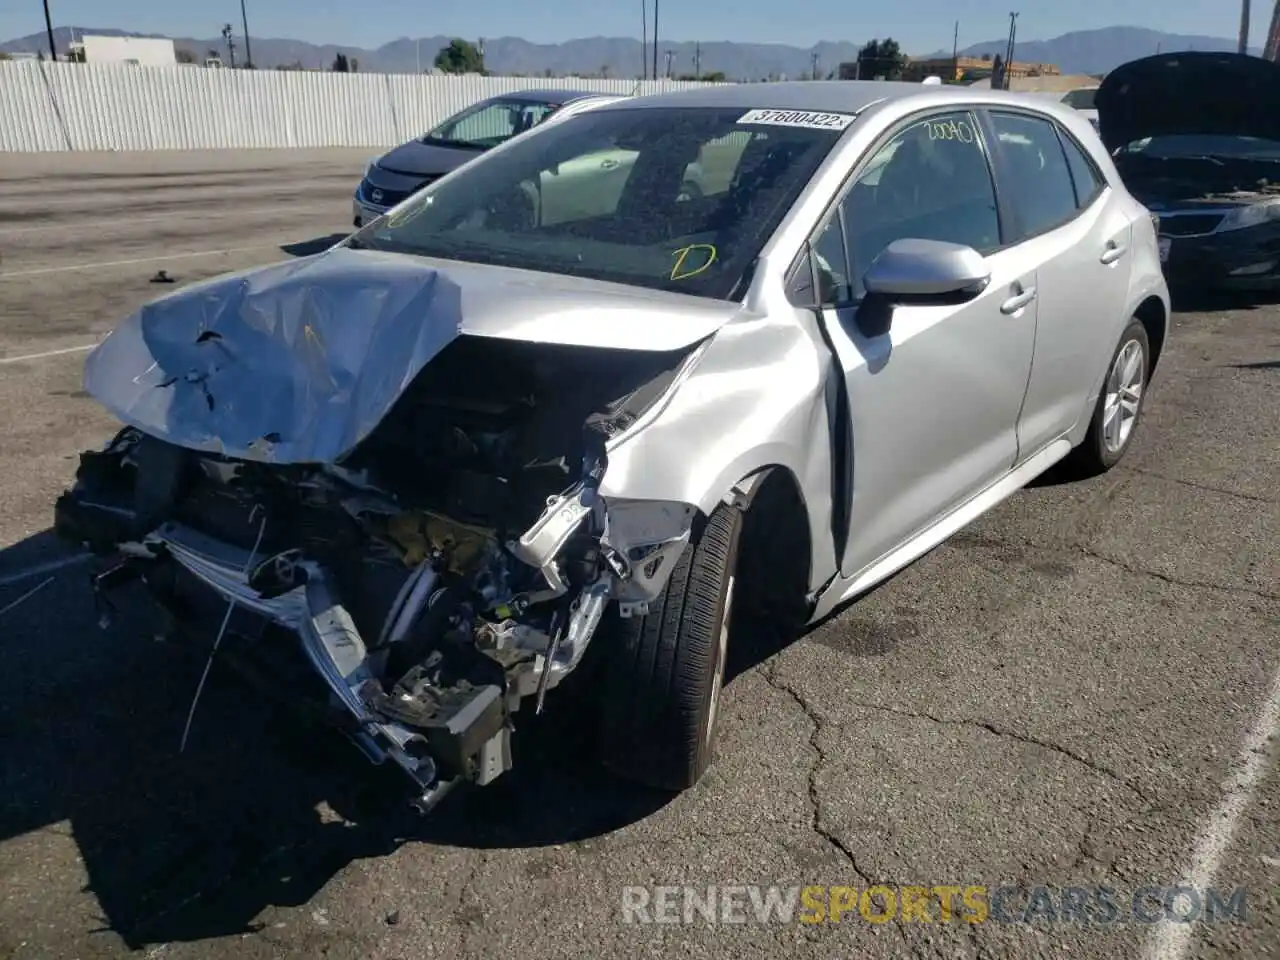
{"x": 244, "y": 18}
{"x": 48, "y": 26}
{"x": 1272, "y": 45}
{"x": 697, "y": 60}
{"x": 231, "y": 44}
{"x": 955, "y": 52}
{"x": 655, "y": 39}
{"x": 1243, "y": 47}
{"x": 644, "y": 40}
{"x": 813, "y": 65}
{"x": 670, "y": 56}
{"x": 1008, "y": 59}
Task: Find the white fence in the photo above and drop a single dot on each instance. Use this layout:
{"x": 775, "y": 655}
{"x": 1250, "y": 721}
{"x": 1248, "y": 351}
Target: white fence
{"x": 106, "y": 106}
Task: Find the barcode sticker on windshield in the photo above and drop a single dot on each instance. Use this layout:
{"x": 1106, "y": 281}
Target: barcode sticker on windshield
{"x": 798, "y": 118}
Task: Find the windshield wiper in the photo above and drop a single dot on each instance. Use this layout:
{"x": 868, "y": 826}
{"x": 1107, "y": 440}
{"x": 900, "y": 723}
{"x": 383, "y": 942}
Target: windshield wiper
{"x": 447, "y": 142}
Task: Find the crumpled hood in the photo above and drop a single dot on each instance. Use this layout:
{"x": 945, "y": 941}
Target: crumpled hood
{"x": 1191, "y": 92}
{"x": 298, "y": 362}
{"x": 426, "y": 160}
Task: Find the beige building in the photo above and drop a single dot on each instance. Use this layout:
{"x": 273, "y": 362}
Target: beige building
{"x": 972, "y": 68}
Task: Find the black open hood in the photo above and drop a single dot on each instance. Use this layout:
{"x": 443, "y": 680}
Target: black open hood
{"x": 1225, "y": 94}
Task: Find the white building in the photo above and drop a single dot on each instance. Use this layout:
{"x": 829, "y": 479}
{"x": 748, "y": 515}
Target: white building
{"x": 144, "y": 51}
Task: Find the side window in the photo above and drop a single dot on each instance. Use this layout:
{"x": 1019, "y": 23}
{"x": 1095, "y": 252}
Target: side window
{"x": 930, "y": 181}
{"x": 1084, "y": 175}
{"x": 1039, "y": 184}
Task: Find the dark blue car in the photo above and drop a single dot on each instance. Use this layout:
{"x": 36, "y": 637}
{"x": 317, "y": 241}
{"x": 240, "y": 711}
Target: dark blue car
{"x": 411, "y": 166}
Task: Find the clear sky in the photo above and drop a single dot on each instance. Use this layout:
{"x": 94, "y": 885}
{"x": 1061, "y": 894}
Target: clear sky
{"x": 921, "y": 26}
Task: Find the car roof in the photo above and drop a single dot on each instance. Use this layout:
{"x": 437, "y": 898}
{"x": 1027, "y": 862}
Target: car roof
{"x": 833, "y": 96}
{"x": 837, "y": 96}
{"x": 548, "y": 96}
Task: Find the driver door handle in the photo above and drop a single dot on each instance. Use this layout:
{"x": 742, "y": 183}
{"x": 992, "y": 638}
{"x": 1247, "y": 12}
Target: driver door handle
{"x": 608, "y": 164}
{"x": 1018, "y": 301}
{"x": 1113, "y": 252}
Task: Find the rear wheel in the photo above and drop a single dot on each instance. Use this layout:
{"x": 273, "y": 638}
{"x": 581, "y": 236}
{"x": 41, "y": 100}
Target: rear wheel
{"x": 1115, "y": 418}
{"x": 660, "y": 690}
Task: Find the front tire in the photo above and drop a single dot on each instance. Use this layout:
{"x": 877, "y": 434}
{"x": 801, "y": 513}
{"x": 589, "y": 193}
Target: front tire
{"x": 1119, "y": 407}
{"x": 660, "y": 692}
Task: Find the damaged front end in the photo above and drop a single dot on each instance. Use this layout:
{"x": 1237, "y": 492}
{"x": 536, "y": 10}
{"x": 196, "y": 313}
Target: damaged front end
{"x": 450, "y": 569}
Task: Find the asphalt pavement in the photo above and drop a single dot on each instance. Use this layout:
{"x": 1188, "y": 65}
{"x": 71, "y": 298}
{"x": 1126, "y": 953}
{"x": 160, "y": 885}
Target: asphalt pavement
{"x": 1079, "y": 690}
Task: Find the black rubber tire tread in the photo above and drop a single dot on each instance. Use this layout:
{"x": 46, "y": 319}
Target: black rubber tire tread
{"x": 655, "y": 692}
{"x": 1091, "y": 458}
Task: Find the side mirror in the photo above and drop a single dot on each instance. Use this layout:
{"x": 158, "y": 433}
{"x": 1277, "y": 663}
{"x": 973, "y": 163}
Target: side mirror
{"x": 914, "y": 269}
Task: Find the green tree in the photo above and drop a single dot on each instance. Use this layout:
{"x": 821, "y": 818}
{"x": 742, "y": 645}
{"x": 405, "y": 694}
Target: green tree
{"x": 881, "y": 58}
{"x": 184, "y": 56}
{"x": 460, "y": 56}
{"x": 5, "y": 56}
{"x": 340, "y": 64}
{"x": 713, "y": 76}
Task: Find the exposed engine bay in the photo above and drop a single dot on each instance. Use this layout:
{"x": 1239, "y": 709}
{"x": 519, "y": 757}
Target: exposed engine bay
{"x": 1207, "y": 180}
{"x": 457, "y": 562}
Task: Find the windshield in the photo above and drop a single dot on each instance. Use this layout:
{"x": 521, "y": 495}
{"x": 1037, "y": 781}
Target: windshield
{"x": 1183, "y": 146}
{"x": 490, "y": 123}
{"x": 676, "y": 199}
{"x": 1081, "y": 99}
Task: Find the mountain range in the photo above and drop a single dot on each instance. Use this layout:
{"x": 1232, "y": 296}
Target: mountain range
{"x": 1081, "y": 52}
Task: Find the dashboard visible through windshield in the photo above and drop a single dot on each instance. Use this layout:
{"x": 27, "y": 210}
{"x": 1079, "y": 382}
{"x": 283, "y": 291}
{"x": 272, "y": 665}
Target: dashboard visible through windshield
{"x": 679, "y": 199}
{"x": 489, "y": 123}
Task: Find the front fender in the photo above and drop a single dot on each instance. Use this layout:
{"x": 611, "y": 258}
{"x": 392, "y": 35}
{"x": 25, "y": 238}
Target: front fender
{"x": 754, "y": 399}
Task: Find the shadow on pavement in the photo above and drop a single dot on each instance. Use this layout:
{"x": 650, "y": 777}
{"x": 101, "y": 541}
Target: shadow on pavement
{"x": 260, "y": 810}
{"x": 1199, "y": 300}
{"x": 308, "y": 248}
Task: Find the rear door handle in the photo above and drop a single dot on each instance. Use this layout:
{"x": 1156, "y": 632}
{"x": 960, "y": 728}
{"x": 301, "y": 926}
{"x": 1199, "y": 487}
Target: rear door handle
{"x": 608, "y": 164}
{"x": 1018, "y": 301}
{"x": 1113, "y": 252}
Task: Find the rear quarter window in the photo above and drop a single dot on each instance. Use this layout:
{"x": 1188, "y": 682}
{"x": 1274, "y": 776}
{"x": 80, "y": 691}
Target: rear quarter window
{"x": 1086, "y": 179}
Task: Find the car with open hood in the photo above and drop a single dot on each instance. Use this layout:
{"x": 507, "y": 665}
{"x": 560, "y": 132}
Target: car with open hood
{"x": 512, "y": 432}
{"x": 1196, "y": 137}
{"x": 457, "y": 139}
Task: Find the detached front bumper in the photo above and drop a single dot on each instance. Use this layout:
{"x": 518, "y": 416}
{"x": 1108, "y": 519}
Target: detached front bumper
{"x": 436, "y": 689}
{"x": 468, "y": 737}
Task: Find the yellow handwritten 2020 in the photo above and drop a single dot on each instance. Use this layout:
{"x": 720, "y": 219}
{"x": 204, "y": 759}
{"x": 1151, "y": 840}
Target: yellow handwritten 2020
{"x": 679, "y": 271}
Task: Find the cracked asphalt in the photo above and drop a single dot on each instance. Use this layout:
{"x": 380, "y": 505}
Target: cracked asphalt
{"x": 1053, "y": 698}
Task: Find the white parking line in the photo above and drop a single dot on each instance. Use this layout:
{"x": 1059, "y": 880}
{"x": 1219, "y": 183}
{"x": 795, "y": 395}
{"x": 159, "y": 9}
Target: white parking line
{"x": 51, "y": 566}
{"x": 124, "y": 220}
{"x": 118, "y": 222}
{"x": 41, "y": 271}
{"x": 1171, "y": 940}
{"x": 47, "y": 353}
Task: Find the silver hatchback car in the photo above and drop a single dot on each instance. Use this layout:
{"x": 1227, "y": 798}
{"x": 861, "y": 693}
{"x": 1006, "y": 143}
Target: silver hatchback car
{"x": 528, "y": 425}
